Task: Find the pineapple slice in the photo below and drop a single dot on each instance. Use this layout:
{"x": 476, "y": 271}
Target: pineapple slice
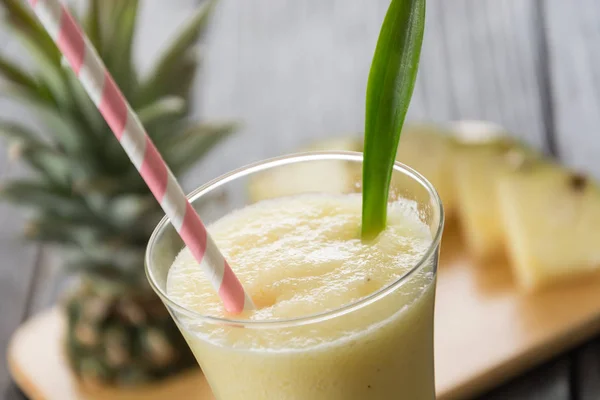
{"x": 482, "y": 153}
{"x": 428, "y": 150}
{"x": 348, "y": 143}
{"x": 325, "y": 176}
{"x": 422, "y": 146}
{"x": 552, "y": 223}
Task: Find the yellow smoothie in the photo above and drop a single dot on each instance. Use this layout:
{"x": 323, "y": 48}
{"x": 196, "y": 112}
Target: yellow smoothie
{"x": 301, "y": 256}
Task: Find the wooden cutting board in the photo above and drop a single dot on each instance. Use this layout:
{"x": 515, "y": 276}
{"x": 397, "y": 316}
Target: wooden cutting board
{"x": 485, "y": 332}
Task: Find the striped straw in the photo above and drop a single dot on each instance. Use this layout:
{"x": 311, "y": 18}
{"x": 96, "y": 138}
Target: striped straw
{"x": 126, "y": 126}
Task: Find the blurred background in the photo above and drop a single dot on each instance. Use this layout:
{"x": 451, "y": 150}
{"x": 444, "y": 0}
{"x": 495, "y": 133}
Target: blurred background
{"x": 294, "y": 71}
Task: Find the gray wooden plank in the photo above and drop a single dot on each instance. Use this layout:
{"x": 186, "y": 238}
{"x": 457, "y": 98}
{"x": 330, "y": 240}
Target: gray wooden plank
{"x": 586, "y": 373}
{"x": 50, "y": 282}
{"x": 544, "y": 383}
{"x": 13, "y": 393}
{"x": 489, "y": 60}
{"x": 18, "y": 258}
{"x": 290, "y": 71}
{"x": 296, "y": 71}
{"x": 573, "y": 33}
{"x": 16, "y": 272}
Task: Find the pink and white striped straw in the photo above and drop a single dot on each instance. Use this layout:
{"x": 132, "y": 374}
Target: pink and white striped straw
{"x": 126, "y": 126}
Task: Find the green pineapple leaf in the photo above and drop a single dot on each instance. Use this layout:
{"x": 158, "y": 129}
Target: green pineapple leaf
{"x": 166, "y": 108}
{"x": 55, "y": 229}
{"x": 42, "y": 230}
{"x": 68, "y": 134}
{"x": 85, "y": 112}
{"x": 50, "y": 163}
{"x": 389, "y": 90}
{"x": 169, "y": 65}
{"x": 194, "y": 143}
{"x": 92, "y": 24}
{"x": 41, "y": 47}
{"x": 127, "y": 210}
{"x": 52, "y": 75}
{"x": 15, "y": 75}
{"x": 18, "y": 133}
{"x": 21, "y": 18}
{"x": 119, "y": 59}
{"x": 181, "y": 74}
{"x": 46, "y": 197}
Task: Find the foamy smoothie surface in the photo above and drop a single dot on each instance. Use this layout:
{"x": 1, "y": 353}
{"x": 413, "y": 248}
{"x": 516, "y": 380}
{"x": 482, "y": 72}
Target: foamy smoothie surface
{"x": 303, "y": 255}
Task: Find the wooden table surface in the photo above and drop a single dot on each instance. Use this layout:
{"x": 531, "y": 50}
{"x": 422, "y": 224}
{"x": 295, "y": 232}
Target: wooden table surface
{"x": 295, "y": 70}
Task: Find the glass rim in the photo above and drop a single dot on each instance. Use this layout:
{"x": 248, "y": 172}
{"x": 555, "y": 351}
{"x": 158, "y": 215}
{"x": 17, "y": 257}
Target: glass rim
{"x": 269, "y": 163}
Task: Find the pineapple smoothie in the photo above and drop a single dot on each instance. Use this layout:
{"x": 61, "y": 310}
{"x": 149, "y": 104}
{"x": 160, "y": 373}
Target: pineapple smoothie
{"x": 301, "y": 256}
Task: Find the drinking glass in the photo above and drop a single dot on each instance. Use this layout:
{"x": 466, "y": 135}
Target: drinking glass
{"x": 379, "y": 347}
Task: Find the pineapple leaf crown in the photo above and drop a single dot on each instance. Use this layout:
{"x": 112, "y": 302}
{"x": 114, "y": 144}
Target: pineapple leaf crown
{"x": 85, "y": 193}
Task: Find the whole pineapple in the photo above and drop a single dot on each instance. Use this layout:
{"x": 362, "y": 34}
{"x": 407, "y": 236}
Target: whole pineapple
{"x": 89, "y": 199}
